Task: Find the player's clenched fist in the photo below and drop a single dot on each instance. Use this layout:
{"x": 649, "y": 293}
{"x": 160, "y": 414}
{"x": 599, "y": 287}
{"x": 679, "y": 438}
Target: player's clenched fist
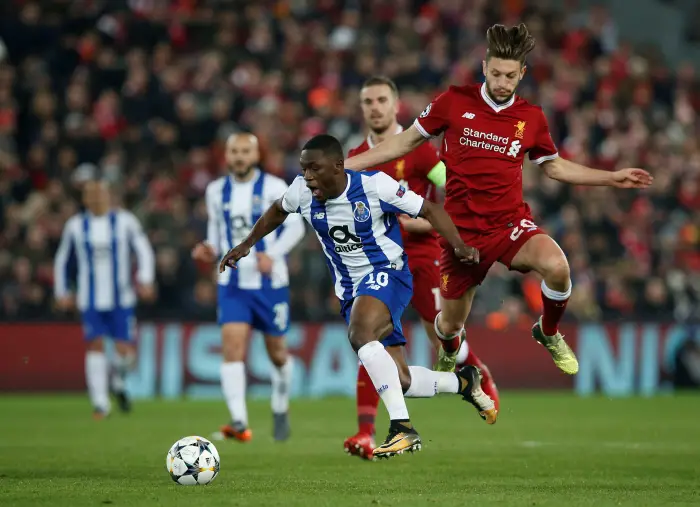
{"x": 467, "y": 254}
{"x": 233, "y": 256}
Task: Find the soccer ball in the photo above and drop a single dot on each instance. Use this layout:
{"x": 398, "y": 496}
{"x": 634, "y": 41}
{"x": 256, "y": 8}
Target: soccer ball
{"x": 193, "y": 461}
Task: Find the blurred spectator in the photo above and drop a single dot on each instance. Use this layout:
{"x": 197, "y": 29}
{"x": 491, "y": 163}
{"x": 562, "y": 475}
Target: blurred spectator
{"x": 145, "y": 92}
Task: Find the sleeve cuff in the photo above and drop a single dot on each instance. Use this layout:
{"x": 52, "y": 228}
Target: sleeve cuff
{"x": 545, "y": 158}
{"x": 420, "y": 129}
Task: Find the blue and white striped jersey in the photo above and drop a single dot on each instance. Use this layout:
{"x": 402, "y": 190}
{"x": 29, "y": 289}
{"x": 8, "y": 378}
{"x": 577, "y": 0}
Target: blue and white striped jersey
{"x": 233, "y": 208}
{"x": 102, "y": 246}
{"x": 359, "y": 230}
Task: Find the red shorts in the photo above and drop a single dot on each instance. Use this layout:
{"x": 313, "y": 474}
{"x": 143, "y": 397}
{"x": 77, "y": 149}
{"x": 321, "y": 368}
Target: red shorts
{"x": 500, "y": 245}
{"x": 426, "y": 287}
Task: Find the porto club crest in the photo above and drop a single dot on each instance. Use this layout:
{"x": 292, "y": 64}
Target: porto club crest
{"x": 360, "y": 211}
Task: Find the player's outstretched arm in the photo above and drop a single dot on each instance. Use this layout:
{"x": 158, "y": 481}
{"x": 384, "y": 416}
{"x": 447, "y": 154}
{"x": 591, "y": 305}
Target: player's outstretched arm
{"x": 267, "y": 223}
{"x": 442, "y": 223}
{"x": 566, "y": 171}
{"x": 394, "y": 147}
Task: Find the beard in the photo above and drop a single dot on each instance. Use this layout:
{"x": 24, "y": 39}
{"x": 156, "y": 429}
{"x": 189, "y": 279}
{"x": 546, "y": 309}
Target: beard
{"x": 497, "y": 100}
{"x": 241, "y": 172}
{"x": 380, "y": 129}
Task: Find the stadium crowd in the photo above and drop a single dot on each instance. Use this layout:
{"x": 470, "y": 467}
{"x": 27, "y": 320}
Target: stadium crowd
{"x": 144, "y": 92}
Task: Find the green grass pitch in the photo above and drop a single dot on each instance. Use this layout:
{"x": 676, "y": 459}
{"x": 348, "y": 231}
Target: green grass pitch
{"x": 545, "y": 450}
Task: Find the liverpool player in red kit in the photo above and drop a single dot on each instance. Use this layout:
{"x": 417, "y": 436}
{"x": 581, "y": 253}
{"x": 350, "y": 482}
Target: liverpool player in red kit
{"x": 487, "y": 130}
{"x": 421, "y": 171}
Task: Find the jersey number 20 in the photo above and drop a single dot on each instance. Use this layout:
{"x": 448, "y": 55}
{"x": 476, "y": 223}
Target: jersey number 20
{"x": 525, "y": 225}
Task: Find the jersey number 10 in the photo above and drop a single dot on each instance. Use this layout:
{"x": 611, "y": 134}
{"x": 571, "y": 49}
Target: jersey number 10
{"x": 382, "y": 280}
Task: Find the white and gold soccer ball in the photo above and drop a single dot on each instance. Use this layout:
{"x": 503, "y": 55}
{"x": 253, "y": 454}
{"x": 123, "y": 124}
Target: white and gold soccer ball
{"x": 193, "y": 461}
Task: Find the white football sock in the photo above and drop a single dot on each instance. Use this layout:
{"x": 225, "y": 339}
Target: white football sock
{"x": 427, "y": 383}
{"x": 556, "y": 295}
{"x": 281, "y": 380}
{"x": 233, "y": 384}
{"x": 463, "y": 352}
{"x": 97, "y": 379}
{"x": 385, "y": 376}
{"x": 121, "y": 366}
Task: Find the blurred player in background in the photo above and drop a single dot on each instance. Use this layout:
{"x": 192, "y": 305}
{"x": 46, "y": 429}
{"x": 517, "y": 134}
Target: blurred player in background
{"x": 354, "y": 216}
{"x": 487, "y": 132}
{"x": 256, "y": 296}
{"x": 420, "y": 171}
{"x": 101, "y": 240}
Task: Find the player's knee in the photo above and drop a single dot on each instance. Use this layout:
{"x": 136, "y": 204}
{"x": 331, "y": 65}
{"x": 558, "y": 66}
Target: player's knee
{"x": 232, "y": 353}
{"x": 450, "y": 324}
{"x": 558, "y": 273}
{"x": 232, "y": 344}
{"x": 360, "y": 334}
{"x": 277, "y": 353}
{"x": 125, "y": 348}
{"x": 96, "y": 345}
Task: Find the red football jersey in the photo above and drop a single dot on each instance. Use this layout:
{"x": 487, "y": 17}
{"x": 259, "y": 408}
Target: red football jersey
{"x": 484, "y": 148}
{"x": 411, "y": 171}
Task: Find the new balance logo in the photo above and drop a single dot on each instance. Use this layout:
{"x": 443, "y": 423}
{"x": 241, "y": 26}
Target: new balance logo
{"x": 469, "y": 116}
{"x": 320, "y": 215}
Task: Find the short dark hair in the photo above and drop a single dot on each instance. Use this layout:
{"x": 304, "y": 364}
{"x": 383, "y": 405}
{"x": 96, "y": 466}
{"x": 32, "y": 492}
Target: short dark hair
{"x": 382, "y": 80}
{"x": 327, "y": 144}
{"x": 513, "y": 43}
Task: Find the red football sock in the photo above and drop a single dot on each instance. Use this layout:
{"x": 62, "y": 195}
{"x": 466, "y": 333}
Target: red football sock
{"x": 451, "y": 346}
{"x": 554, "y": 305}
{"x": 367, "y": 402}
{"x": 449, "y": 343}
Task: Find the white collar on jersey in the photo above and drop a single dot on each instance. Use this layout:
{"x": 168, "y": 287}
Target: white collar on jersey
{"x": 496, "y": 107}
{"x": 345, "y": 192}
{"x": 371, "y": 144}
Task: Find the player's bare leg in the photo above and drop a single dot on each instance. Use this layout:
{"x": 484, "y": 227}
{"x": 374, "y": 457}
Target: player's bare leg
{"x": 124, "y": 362}
{"x": 370, "y": 321}
{"x": 234, "y": 337}
{"x": 280, "y": 378}
{"x": 97, "y": 378}
{"x": 542, "y": 255}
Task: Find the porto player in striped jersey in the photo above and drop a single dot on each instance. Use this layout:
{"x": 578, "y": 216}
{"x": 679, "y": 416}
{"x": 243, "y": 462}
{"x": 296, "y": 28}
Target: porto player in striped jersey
{"x": 101, "y": 241}
{"x": 420, "y": 171}
{"x": 487, "y": 130}
{"x": 255, "y": 296}
{"x": 355, "y": 219}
